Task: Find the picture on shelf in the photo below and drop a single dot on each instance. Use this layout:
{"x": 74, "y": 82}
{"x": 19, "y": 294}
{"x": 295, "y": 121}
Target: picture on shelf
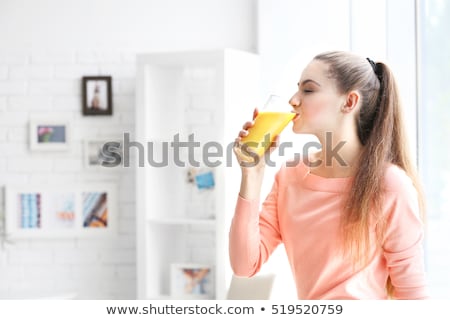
{"x": 203, "y": 178}
{"x": 201, "y": 204}
{"x": 97, "y": 95}
{"x": 49, "y": 135}
{"x": 95, "y": 209}
{"x": 191, "y": 281}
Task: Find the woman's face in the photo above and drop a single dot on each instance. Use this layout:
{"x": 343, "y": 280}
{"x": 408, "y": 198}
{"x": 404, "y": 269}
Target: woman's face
{"x": 317, "y": 100}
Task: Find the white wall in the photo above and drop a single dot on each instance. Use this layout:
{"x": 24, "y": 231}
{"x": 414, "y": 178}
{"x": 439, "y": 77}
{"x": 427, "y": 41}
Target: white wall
{"x": 138, "y": 24}
{"x": 291, "y": 32}
{"x": 45, "y": 48}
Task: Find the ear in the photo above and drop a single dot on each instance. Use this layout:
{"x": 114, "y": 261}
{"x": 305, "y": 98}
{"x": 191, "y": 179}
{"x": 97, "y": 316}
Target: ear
{"x": 351, "y": 101}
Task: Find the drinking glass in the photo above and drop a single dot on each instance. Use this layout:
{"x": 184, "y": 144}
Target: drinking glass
{"x": 269, "y": 123}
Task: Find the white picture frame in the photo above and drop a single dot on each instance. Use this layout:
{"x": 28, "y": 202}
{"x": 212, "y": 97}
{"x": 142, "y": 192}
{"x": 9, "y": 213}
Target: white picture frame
{"x": 60, "y": 211}
{"x": 191, "y": 281}
{"x": 49, "y": 135}
{"x": 94, "y": 156}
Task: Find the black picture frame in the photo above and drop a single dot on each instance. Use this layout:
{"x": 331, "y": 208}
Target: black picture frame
{"x": 97, "y": 95}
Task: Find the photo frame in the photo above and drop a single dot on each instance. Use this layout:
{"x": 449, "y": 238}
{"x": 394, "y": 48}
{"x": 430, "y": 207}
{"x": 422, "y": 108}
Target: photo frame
{"x": 49, "y": 135}
{"x": 97, "y": 95}
{"x": 96, "y": 157}
{"x": 191, "y": 281}
{"x": 60, "y": 211}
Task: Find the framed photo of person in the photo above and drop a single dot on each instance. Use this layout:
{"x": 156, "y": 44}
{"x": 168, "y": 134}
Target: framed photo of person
{"x": 97, "y": 95}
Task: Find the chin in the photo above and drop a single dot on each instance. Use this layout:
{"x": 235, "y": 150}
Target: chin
{"x": 299, "y": 128}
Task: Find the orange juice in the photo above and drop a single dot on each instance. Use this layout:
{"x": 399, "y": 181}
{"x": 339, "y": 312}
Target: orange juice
{"x": 269, "y": 123}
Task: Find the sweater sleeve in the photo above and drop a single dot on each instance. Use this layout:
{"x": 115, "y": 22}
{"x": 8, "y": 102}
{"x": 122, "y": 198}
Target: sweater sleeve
{"x": 403, "y": 247}
{"x": 254, "y": 233}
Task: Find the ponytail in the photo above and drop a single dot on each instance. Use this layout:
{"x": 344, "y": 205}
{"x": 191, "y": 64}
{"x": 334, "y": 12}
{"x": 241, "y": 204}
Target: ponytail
{"x": 382, "y": 133}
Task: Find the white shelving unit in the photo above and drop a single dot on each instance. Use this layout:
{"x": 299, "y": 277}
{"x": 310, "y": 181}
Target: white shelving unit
{"x": 209, "y": 94}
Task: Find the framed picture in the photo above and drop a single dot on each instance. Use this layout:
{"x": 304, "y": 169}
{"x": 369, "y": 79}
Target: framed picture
{"x": 95, "y": 209}
{"x": 191, "y": 281}
{"x": 60, "y": 211}
{"x": 103, "y": 153}
{"x": 49, "y": 135}
{"x": 97, "y": 95}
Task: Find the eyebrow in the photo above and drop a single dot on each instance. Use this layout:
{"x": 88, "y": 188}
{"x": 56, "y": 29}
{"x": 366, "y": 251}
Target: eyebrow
{"x": 306, "y": 81}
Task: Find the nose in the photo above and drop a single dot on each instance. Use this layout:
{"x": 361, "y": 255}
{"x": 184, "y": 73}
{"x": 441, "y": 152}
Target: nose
{"x": 295, "y": 101}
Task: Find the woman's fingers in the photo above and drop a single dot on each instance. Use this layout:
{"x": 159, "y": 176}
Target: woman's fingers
{"x": 248, "y": 125}
{"x": 255, "y": 113}
{"x": 245, "y": 127}
{"x": 243, "y": 133}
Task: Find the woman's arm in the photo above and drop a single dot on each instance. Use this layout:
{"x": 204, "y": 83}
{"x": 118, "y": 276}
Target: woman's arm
{"x": 254, "y": 233}
{"x": 403, "y": 246}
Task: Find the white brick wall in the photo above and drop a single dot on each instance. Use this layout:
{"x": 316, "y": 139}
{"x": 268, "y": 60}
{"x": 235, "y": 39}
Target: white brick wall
{"x": 28, "y": 103}
{"x": 40, "y": 72}
{"x": 2, "y": 104}
{"x": 46, "y": 83}
{"x": 52, "y": 57}
{"x": 3, "y": 73}
{"x": 12, "y": 87}
{"x": 14, "y": 58}
{"x": 200, "y": 90}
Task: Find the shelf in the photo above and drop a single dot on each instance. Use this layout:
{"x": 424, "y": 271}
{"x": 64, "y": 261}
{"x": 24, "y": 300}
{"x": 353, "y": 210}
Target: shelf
{"x": 203, "y": 93}
{"x": 183, "y": 221}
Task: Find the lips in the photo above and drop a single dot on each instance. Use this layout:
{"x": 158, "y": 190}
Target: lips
{"x": 297, "y": 115}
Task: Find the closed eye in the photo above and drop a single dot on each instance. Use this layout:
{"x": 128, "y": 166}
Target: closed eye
{"x": 307, "y": 91}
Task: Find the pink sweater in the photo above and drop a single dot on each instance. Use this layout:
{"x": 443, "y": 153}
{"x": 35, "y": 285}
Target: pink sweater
{"x": 302, "y": 212}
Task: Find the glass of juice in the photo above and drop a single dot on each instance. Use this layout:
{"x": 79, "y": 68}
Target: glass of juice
{"x": 270, "y": 122}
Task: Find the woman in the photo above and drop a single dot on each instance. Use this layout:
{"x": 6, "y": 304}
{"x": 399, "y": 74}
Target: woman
{"x": 351, "y": 215}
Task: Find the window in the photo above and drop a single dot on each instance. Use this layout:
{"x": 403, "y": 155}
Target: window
{"x": 434, "y": 129}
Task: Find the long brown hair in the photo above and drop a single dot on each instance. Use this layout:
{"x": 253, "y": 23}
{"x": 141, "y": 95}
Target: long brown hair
{"x": 381, "y": 131}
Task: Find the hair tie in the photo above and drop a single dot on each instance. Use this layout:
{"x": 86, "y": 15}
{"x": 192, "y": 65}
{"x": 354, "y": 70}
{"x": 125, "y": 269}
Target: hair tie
{"x": 375, "y": 68}
{"x": 373, "y": 64}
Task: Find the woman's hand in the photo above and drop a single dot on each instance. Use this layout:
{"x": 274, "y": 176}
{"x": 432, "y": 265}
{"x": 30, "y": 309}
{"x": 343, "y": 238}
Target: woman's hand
{"x": 253, "y": 162}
